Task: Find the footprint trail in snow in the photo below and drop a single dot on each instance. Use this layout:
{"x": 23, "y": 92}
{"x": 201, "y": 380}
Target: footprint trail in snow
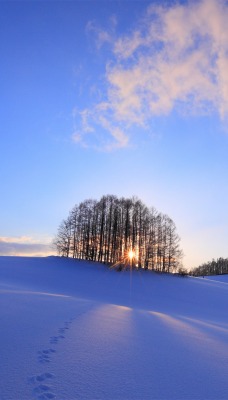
{"x": 41, "y": 383}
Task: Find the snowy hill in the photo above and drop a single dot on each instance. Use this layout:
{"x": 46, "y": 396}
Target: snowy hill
{"x": 76, "y": 330}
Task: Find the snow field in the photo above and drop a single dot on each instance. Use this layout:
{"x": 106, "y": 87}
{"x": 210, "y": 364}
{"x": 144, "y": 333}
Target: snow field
{"x": 76, "y": 330}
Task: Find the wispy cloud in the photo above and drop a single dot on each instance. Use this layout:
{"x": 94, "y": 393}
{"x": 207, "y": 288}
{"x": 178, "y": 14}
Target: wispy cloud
{"x": 175, "y": 58}
{"x": 102, "y": 36}
{"x": 25, "y": 246}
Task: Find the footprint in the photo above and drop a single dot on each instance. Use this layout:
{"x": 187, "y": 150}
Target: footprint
{"x": 41, "y": 378}
{"x": 41, "y": 388}
{"x": 48, "y": 351}
{"x": 43, "y": 392}
{"x": 55, "y": 339}
{"x": 48, "y": 375}
{"x": 44, "y": 355}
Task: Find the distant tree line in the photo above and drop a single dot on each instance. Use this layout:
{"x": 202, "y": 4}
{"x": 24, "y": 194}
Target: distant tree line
{"x": 214, "y": 267}
{"x": 120, "y": 232}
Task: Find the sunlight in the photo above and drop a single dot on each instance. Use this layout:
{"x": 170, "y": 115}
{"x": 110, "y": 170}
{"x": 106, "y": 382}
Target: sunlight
{"x": 128, "y": 260}
{"x": 131, "y": 254}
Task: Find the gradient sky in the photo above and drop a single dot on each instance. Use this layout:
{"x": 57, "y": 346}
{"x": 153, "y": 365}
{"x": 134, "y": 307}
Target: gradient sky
{"x": 114, "y": 97}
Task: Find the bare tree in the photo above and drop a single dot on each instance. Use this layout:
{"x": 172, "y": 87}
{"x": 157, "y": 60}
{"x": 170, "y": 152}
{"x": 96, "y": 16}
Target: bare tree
{"x": 111, "y": 229}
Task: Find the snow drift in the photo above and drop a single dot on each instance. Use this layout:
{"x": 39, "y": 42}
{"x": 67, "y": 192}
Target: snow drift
{"x": 76, "y": 330}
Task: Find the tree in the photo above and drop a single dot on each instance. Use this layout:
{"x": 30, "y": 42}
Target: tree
{"x": 120, "y": 231}
{"x": 218, "y": 267}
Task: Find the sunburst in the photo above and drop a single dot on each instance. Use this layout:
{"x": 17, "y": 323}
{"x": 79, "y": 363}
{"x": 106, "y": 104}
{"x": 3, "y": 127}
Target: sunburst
{"x": 128, "y": 260}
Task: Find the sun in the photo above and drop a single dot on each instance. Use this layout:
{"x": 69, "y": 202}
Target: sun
{"x": 128, "y": 260}
{"x": 131, "y": 254}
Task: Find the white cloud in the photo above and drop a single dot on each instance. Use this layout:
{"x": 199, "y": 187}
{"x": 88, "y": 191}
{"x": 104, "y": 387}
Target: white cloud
{"x": 25, "y": 239}
{"x": 25, "y": 246}
{"x": 176, "y": 58}
{"x": 120, "y": 138}
{"x": 102, "y": 36}
{"x": 125, "y": 47}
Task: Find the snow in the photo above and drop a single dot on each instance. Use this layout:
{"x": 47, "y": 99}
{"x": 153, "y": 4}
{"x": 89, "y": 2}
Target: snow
{"x": 76, "y": 330}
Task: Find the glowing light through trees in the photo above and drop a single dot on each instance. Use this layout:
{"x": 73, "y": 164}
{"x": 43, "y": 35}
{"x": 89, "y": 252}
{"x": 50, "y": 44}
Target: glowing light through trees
{"x": 120, "y": 232}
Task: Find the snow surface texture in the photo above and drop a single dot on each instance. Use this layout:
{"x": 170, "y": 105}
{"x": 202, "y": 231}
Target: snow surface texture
{"x": 76, "y": 330}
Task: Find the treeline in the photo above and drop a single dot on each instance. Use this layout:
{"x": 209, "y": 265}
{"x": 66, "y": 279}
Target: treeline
{"x": 214, "y": 267}
{"x": 108, "y": 229}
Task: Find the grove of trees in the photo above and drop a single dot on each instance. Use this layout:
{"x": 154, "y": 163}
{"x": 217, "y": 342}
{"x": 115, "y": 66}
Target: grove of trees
{"x": 214, "y": 267}
{"x": 120, "y": 232}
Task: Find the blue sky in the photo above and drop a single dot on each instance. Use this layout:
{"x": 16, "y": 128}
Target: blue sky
{"x": 114, "y": 97}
